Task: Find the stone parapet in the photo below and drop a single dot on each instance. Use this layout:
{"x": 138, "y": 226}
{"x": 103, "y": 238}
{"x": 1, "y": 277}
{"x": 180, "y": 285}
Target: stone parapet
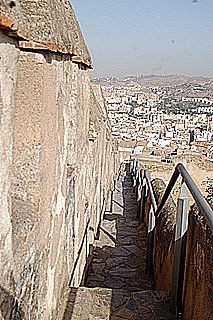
{"x": 198, "y": 268}
{"x": 197, "y": 288}
{"x": 163, "y": 254}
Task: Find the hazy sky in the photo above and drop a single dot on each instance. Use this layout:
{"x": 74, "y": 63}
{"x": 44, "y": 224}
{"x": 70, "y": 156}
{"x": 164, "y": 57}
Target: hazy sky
{"x": 127, "y": 37}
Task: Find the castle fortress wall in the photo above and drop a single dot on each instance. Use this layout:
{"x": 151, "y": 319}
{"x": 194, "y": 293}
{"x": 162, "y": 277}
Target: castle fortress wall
{"x": 57, "y": 157}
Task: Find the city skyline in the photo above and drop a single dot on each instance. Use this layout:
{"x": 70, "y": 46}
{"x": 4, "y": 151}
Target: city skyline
{"x": 149, "y": 37}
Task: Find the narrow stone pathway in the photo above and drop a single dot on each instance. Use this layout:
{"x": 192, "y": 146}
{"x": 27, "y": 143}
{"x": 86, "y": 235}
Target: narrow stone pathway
{"x": 117, "y": 286}
{"x": 119, "y": 258}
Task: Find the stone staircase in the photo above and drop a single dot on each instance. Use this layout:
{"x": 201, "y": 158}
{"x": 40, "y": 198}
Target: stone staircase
{"x": 117, "y": 286}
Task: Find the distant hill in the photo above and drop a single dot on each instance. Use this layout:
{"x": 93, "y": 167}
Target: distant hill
{"x": 154, "y": 80}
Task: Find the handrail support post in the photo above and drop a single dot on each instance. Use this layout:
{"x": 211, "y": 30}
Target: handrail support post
{"x": 150, "y": 241}
{"x": 143, "y": 198}
{"x": 180, "y": 249}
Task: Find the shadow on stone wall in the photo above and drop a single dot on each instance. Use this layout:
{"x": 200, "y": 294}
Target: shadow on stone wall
{"x": 9, "y": 308}
{"x": 83, "y": 243}
{"x": 71, "y": 298}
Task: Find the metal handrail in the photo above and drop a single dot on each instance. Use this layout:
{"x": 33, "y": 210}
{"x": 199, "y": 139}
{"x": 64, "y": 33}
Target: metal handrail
{"x": 195, "y": 192}
{"x": 181, "y": 220}
{"x": 152, "y": 195}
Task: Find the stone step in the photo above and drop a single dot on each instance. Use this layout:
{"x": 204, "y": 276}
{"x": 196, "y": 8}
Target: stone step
{"x": 102, "y": 304}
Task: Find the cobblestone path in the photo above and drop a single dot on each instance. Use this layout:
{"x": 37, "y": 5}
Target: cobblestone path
{"x": 117, "y": 286}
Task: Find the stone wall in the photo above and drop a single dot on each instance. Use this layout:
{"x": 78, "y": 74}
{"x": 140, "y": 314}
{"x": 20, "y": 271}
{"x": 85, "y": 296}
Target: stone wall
{"x": 57, "y": 166}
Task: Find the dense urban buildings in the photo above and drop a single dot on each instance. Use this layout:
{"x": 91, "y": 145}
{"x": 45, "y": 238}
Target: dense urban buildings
{"x": 163, "y": 120}
{"x": 161, "y": 115}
